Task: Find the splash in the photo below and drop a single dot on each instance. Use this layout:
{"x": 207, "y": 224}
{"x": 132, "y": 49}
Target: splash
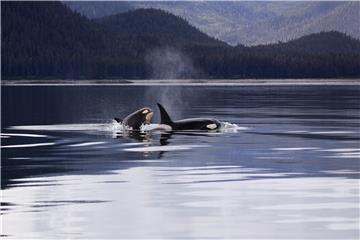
{"x": 227, "y": 127}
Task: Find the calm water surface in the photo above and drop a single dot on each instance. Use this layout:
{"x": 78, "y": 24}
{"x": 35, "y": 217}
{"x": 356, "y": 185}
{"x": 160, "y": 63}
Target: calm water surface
{"x": 286, "y": 166}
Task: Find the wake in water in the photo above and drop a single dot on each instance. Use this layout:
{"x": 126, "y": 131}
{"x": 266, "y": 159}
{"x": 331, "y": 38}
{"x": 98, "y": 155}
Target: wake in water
{"x": 113, "y": 127}
{"x": 145, "y": 136}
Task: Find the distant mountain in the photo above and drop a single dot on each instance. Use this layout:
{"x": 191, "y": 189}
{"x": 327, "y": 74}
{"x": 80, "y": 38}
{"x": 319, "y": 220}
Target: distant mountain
{"x": 317, "y": 43}
{"x": 247, "y": 22}
{"x": 157, "y": 27}
{"x": 48, "y": 39}
{"x": 43, "y": 40}
{"x": 98, "y": 9}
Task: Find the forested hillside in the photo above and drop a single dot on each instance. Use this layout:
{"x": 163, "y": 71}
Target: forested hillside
{"x": 158, "y": 27}
{"x": 47, "y": 40}
{"x": 319, "y": 43}
{"x": 246, "y": 22}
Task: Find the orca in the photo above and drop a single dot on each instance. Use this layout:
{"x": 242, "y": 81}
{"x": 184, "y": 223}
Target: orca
{"x": 186, "y": 124}
{"x": 136, "y": 119}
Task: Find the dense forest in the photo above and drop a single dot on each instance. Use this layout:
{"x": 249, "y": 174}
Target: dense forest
{"x": 47, "y": 40}
{"x": 246, "y": 22}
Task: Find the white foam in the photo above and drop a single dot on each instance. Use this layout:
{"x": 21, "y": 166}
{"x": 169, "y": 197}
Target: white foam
{"x": 228, "y": 127}
{"x": 115, "y": 126}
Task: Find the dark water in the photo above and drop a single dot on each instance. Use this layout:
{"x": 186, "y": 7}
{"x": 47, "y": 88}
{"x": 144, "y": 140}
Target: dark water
{"x": 286, "y": 166}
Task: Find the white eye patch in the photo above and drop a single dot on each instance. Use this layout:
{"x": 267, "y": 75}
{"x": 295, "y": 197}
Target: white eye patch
{"x": 145, "y": 111}
{"x": 211, "y": 126}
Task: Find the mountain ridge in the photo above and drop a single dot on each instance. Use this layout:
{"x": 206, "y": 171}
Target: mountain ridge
{"x": 248, "y": 23}
{"x": 319, "y": 43}
{"x": 157, "y": 24}
{"x": 43, "y": 40}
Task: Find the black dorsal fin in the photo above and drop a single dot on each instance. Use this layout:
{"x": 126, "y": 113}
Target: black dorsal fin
{"x": 165, "y": 119}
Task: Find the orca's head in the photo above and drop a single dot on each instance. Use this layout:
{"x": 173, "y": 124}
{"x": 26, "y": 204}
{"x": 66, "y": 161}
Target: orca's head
{"x": 139, "y": 117}
{"x": 147, "y": 114}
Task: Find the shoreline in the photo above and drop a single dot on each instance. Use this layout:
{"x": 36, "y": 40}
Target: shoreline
{"x": 184, "y": 82}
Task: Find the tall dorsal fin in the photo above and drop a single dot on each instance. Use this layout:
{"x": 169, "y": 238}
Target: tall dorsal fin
{"x": 165, "y": 119}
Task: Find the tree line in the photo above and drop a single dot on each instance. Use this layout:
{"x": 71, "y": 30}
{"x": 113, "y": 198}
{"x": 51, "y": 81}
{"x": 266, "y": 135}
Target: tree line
{"x": 47, "y": 40}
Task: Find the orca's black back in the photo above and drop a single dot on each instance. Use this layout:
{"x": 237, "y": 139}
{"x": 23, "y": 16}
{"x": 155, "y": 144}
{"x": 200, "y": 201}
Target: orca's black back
{"x": 195, "y": 124}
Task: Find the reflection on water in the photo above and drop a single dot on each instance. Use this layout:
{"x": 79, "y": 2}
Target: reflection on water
{"x": 166, "y": 202}
{"x": 284, "y": 165}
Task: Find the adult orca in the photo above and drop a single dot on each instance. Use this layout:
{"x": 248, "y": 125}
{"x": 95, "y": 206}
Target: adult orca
{"x": 186, "y": 124}
{"x": 134, "y": 120}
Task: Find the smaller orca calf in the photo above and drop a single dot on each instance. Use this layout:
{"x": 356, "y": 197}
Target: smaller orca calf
{"x": 136, "y": 119}
{"x": 186, "y": 124}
